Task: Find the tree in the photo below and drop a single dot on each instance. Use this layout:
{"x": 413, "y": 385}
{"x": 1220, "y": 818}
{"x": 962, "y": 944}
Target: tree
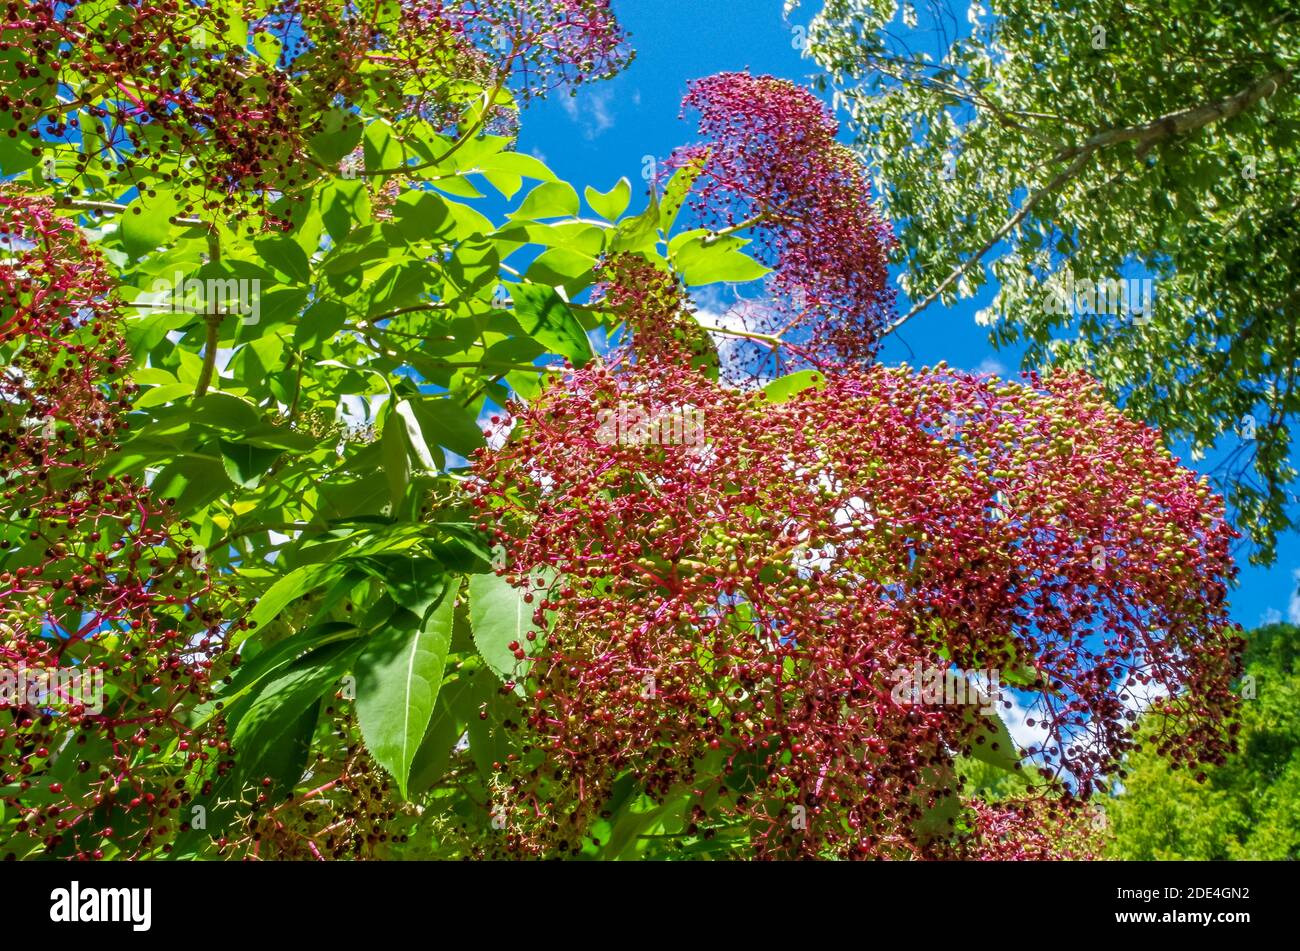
{"x": 1057, "y": 150}
{"x": 259, "y": 315}
{"x": 1247, "y": 808}
{"x": 721, "y": 624}
{"x": 234, "y": 205}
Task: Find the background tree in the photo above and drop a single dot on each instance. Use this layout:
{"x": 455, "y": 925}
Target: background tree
{"x": 1247, "y": 808}
{"x": 1102, "y": 140}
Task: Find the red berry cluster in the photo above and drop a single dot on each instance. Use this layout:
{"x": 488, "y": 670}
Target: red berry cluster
{"x": 183, "y": 94}
{"x": 770, "y": 157}
{"x": 544, "y": 44}
{"x": 729, "y": 620}
{"x": 95, "y": 579}
{"x": 655, "y": 311}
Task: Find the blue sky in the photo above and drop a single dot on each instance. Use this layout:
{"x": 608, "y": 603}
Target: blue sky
{"x": 606, "y": 131}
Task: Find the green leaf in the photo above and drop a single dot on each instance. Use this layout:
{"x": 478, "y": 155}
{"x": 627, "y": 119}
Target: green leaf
{"x": 702, "y": 260}
{"x": 284, "y": 254}
{"x": 275, "y": 657}
{"x": 423, "y": 216}
{"x": 416, "y": 442}
{"x": 343, "y": 206}
{"x": 321, "y": 321}
{"x": 287, "y": 590}
{"x": 225, "y": 412}
{"x": 549, "y": 200}
{"x": 679, "y": 186}
{"x": 783, "y": 388}
{"x": 162, "y": 395}
{"x": 993, "y": 743}
{"x": 16, "y": 155}
{"x": 415, "y": 584}
{"x": 146, "y": 223}
{"x": 519, "y": 163}
{"x": 490, "y": 740}
{"x": 192, "y": 481}
{"x": 563, "y": 267}
{"x": 399, "y": 673}
{"x": 474, "y": 266}
{"x": 611, "y": 204}
{"x": 499, "y": 616}
{"x": 402, "y": 285}
{"x": 244, "y": 463}
{"x": 397, "y": 464}
{"x": 280, "y": 304}
{"x": 640, "y": 233}
{"x": 449, "y": 424}
{"x": 382, "y": 149}
{"x": 545, "y": 317}
{"x": 273, "y": 718}
{"x": 460, "y": 187}
{"x": 338, "y": 138}
{"x": 629, "y": 824}
{"x": 431, "y": 759}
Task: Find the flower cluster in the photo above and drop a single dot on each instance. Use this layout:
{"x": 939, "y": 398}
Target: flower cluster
{"x": 180, "y": 90}
{"x": 97, "y": 585}
{"x": 770, "y": 160}
{"x": 544, "y": 44}
{"x": 724, "y": 622}
{"x": 655, "y": 310}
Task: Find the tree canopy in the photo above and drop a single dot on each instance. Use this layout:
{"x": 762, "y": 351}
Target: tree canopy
{"x": 1055, "y": 149}
{"x": 1247, "y": 808}
{"x": 369, "y": 491}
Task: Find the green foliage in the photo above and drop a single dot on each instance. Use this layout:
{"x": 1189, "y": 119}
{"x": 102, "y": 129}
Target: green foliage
{"x": 399, "y": 674}
{"x": 1105, "y": 140}
{"x": 314, "y": 355}
{"x": 1248, "y": 808}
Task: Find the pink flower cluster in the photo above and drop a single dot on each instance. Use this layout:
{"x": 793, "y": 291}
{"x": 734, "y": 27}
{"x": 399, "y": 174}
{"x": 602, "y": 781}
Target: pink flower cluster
{"x": 724, "y": 622}
{"x": 770, "y": 157}
{"x": 95, "y": 579}
{"x": 166, "y": 79}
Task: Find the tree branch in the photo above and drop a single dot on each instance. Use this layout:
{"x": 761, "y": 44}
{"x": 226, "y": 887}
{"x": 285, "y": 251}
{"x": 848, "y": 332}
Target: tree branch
{"x": 213, "y": 321}
{"x": 1147, "y": 134}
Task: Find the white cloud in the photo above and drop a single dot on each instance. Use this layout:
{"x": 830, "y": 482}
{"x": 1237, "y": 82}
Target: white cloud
{"x": 1024, "y": 735}
{"x": 739, "y": 314}
{"x": 496, "y": 433}
{"x": 592, "y": 109}
{"x": 991, "y": 366}
{"x": 1293, "y": 609}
